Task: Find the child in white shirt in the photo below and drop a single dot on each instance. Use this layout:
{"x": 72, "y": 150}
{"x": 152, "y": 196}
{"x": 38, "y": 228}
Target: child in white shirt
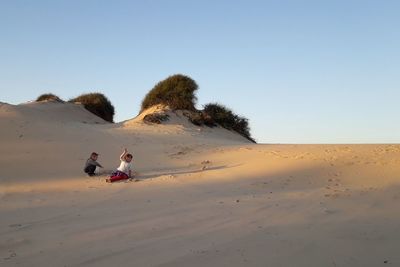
{"x": 124, "y": 171}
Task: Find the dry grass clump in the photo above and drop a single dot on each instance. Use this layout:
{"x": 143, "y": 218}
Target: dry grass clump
{"x": 49, "y": 97}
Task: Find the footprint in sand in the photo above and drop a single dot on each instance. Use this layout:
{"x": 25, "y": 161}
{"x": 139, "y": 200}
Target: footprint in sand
{"x": 16, "y": 225}
{"x": 329, "y": 211}
{"x": 335, "y": 195}
{"x": 205, "y": 164}
{"x": 12, "y": 255}
{"x": 19, "y": 226}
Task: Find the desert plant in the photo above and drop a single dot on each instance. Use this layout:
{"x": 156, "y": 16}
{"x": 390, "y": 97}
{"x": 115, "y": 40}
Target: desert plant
{"x": 96, "y": 103}
{"x": 156, "y": 118}
{"x": 177, "y": 92}
{"x": 200, "y": 118}
{"x": 228, "y": 119}
{"x": 49, "y": 97}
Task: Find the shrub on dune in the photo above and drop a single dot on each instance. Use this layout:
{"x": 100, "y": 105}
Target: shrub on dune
{"x": 228, "y": 119}
{"x": 177, "y": 92}
{"x": 98, "y": 104}
{"x": 49, "y": 97}
{"x": 155, "y": 118}
{"x": 200, "y": 118}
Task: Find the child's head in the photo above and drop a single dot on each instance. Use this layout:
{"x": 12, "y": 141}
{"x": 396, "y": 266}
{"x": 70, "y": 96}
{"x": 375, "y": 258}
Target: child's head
{"x": 94, "y": 156}
{"x": 128, "y": 157}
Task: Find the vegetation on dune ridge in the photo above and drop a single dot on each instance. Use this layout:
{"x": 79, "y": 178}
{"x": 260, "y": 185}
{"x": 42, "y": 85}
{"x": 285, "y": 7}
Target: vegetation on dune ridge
{"x": 228, "y": 119}
{"x": 178, "y": 93}
{"x": 98, "y": 104}
{"x": 156, "y": 118}
{"x": 200, "y": 118}
{"x": 49, "y": 97}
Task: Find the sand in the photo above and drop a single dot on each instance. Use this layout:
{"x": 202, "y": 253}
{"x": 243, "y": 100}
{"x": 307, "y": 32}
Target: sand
{"x": 204, "y": 197}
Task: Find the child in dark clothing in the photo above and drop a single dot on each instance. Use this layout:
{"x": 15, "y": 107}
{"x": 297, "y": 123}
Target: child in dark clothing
{"x": 91, "y": 164}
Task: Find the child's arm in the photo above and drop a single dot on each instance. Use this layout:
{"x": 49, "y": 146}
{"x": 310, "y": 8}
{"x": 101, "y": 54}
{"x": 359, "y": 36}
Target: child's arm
{"x": 130, "y": 174}
{"x": 122, "y": 157}
{"x": 94, "y": 162}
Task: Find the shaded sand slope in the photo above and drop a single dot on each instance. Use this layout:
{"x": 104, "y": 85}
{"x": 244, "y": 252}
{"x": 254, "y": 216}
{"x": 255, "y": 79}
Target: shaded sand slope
{"x": 206, "y": 198}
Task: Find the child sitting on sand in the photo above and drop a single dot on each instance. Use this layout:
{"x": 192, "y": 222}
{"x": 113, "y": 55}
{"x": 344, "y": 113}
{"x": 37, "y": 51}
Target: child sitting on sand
{"x": 91, "y": 164}
{"x": 124, "y": 170}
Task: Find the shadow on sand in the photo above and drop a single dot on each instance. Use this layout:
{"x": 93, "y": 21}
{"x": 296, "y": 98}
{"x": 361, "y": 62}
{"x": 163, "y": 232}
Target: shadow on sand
{"x": 205, "y": 168}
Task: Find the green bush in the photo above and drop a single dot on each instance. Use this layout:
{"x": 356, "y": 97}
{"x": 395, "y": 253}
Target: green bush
{"x": 98, "y": 104}
{"x": 200, "y": 118}
{"x": 229, "y": 120}
{"x": 177, "y": 91}
{"x": 49, "y": 97}
{"x": 156, "y": 118}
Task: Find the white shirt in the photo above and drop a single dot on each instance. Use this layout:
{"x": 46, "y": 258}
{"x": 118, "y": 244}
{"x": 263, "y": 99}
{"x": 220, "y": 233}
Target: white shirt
{"x": 125, "y": 167}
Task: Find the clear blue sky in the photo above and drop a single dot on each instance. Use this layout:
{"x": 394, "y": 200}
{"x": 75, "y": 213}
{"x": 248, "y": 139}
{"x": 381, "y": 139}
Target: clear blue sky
{"x": 301, "y": 71}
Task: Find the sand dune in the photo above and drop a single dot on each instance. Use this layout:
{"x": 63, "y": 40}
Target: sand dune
{"x": 205, "y": 197}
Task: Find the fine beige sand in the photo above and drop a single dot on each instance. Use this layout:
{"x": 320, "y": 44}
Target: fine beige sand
{"x": 204, "y": 197}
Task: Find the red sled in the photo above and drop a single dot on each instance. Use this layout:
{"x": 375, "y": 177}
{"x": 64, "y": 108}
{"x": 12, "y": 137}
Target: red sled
{"x": 114, "y": 178}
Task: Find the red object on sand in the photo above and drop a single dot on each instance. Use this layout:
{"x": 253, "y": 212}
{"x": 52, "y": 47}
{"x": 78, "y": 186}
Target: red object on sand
{"x": 118, "y": 177}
